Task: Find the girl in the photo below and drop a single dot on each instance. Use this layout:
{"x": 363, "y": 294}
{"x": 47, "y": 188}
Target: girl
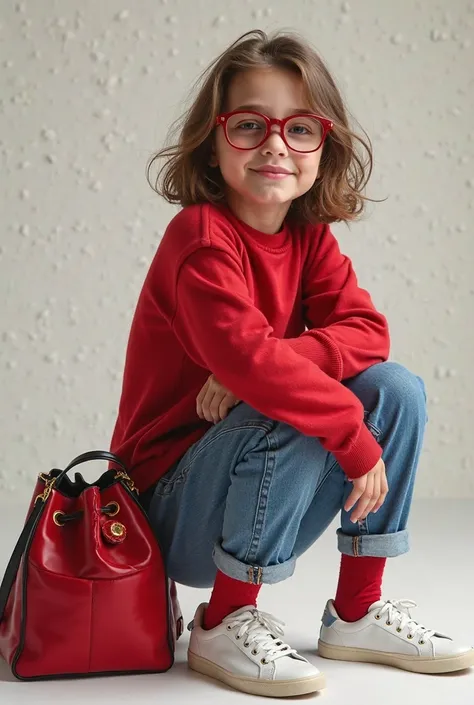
{"x": 258, "y": 400}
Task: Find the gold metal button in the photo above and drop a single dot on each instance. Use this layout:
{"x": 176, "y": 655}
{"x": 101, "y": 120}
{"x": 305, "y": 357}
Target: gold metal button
{"x": 117, "y": 528}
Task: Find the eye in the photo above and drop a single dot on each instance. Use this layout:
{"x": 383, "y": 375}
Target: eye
{"x": 304, "y": 127}
{"x": 301, "y": 127}
{"x": 245, "y": 125}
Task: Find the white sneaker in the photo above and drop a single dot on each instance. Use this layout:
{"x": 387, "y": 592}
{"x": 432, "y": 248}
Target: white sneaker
{"x": 388, "y": 634}
{"x": 246, "y": 652}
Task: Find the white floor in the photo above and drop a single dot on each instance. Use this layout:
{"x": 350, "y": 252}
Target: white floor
{"x": 438, "y": 573}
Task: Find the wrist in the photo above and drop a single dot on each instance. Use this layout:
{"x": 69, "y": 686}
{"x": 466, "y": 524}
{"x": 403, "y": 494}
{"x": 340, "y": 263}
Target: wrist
{"x": 362, "y": 457}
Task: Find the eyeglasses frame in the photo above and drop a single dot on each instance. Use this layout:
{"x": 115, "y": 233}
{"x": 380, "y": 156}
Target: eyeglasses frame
{"x": 327, "y": 126}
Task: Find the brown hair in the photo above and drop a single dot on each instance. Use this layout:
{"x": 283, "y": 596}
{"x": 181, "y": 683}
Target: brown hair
{"x": 187, "y": 178}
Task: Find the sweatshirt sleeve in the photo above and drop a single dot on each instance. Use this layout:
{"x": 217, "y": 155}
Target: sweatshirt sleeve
{"x": 221, "y": 329}
{"x": 346, "y": 333}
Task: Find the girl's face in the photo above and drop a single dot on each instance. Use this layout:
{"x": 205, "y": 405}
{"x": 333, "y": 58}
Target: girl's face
{"x": 258, "y": 200}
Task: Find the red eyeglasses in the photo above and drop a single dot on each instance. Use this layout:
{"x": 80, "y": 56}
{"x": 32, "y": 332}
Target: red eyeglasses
{"x": 246, "y": 129}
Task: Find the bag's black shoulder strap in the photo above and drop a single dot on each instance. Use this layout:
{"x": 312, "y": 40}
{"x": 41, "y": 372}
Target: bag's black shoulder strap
{"x": 18, "y": 551}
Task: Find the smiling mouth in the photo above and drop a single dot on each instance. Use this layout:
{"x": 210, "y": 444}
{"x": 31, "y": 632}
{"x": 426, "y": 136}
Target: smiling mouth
{"x": 272, "y": 174}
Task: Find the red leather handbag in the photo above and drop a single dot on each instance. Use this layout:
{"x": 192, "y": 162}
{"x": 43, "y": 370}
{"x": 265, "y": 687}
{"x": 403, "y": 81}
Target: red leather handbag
{"x": 86, "y": 591}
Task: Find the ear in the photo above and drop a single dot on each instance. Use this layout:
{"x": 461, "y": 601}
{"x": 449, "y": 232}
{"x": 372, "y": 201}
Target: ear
{"x": 213, "y": 161}
{"x": 213, "y": 158}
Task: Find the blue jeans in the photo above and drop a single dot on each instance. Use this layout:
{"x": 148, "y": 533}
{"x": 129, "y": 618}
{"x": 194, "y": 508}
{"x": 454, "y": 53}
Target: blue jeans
{"x": 253, "y": 494}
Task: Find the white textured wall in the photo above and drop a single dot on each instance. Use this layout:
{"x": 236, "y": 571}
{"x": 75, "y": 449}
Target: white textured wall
{"x": 87, "y": 91}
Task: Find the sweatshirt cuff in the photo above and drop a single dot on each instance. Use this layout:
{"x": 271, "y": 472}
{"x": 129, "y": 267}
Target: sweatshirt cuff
{"x": 362, "y": 457}
{"x": 320, "y": 349}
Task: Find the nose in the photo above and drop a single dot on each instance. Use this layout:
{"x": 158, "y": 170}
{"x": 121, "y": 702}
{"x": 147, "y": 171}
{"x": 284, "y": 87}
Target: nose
{"x": 274, "y": 142}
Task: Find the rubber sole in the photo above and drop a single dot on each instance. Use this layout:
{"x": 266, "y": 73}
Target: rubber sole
{"x": 407, "y": 663}
{"x": 272, "y": 689}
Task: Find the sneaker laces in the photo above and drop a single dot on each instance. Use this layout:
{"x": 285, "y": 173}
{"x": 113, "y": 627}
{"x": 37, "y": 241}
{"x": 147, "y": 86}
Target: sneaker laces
{"x": 261, "y": 631}
{"x": 399, "y": 610}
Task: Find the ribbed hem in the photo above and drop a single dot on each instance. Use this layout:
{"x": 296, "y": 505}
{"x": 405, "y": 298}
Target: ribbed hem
{"x": 362, "y": 457}
{"x": 320, "y": 349}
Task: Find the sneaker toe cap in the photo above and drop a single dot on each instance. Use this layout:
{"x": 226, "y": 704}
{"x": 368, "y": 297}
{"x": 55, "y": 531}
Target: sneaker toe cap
{"x": 444, "y": 647}
{"x": 294, "y": 666}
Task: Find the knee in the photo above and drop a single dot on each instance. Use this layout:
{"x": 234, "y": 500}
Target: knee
{"x": 401, "y": 386}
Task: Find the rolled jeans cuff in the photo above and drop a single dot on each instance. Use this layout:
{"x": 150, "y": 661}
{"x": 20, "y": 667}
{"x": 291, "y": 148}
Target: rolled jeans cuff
{"x": 377, "y": 545}
{"x": 254, "y": 574}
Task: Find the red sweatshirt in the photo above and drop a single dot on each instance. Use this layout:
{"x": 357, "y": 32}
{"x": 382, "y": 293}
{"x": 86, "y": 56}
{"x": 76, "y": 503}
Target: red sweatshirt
{"x": 221, "y": 297}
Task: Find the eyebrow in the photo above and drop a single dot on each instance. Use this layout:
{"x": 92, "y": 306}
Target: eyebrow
{"x": 263, "y": 108}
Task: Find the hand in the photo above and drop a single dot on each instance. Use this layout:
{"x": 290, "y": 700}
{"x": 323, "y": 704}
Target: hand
{"x": 214, "y": 401}
{"x": 369, "y": 492}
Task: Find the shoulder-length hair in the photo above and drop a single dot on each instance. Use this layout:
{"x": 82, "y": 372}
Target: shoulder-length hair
{"x": 186, "y": 177}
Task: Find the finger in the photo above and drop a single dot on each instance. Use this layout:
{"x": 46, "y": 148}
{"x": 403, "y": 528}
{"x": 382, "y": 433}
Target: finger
{"x": 225, "y": 405}
{"x": 383, "y": 493}
{"x": 375, "y": 498}
{"x": 357, "y": 492}
{"x": 215, "y": 405}
{"x": 199, "y": 399}
{"x": 223, "y": 409}
{"x": 203, "y": 391}
{"x": 206, "y": 403}
{"x": 364, "y": 500}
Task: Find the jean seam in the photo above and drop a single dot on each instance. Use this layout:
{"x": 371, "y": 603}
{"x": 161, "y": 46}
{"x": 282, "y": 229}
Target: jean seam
{"x": 181, "y": 476}
{"x": 325, "y": 477}
{"x": 262, "y": 502}
{"x": 363, "y": 524}
{"x": 375, "y": 430}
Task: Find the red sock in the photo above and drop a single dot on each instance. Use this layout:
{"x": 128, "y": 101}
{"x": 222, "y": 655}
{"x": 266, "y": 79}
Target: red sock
{"x": 360, "y": 584}
{"x": 227, "y": 596}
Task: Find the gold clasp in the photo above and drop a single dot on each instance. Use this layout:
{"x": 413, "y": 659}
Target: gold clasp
{"x": 122, "y": 475}
{"x": 49, "y": 484}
